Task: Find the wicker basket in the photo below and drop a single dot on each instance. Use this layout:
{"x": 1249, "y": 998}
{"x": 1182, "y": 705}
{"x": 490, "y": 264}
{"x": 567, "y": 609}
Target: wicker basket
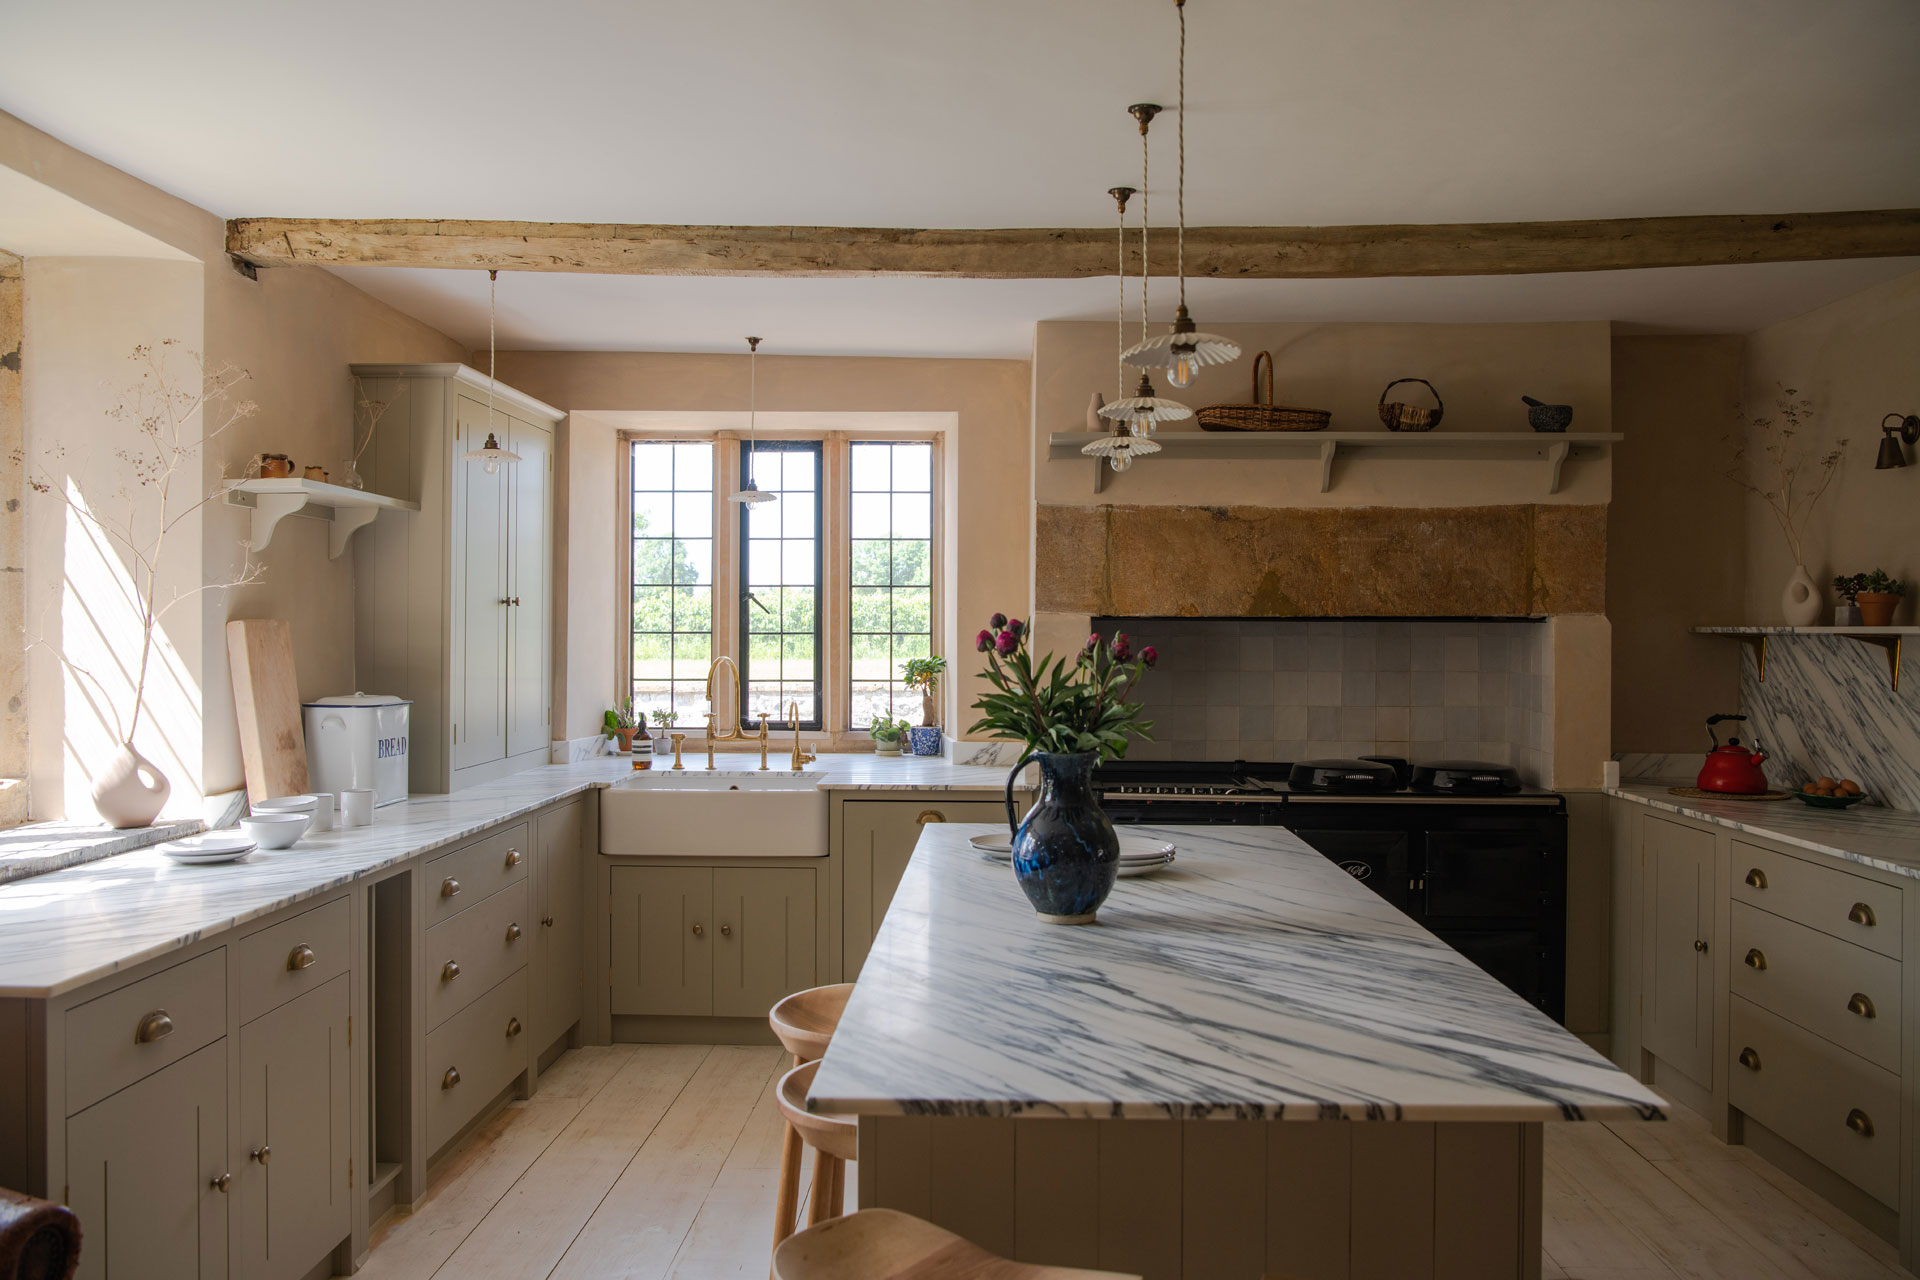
{"x": 1263, "y": 414}
{"x": 1400, "y": 416}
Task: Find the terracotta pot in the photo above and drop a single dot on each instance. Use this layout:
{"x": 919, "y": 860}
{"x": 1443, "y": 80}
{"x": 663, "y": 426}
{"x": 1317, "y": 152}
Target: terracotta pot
{"x": 626, "y": 739}
{"x": 1876, "y": 608}
{"x": 130, "y": 791}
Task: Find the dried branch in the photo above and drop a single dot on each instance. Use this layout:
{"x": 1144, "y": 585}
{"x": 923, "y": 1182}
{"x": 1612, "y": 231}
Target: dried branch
{"x": 1770, "y": 445}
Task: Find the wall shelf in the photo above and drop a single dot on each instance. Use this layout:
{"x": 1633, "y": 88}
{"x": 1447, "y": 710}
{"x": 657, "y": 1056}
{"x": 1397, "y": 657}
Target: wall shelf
{"x": 1326, "y": 447}
{"x": 1886, "y": 639}
{"x": 348, "y": 510}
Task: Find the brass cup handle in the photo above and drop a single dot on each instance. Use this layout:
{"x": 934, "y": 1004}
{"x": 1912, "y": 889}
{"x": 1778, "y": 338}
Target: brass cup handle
{"x": 263, "y": 1155}
{"x": 513, "y": 857}
{"x": 930, "y": 815}
{"x": 222, "y": 1182}
{"x": 1861, "y": 1006}
{"x": 449, "y": 971}
{"x": 1756, "y": 958}
{"x": 726, "y": 931}
{"x": 449, "y": 888}
{"x": 301, "y": 957}
{"x": 1860, "y": 1122}
{"x": 1756, "y": 878}
{"x": 513, "y": 933}
{"x": 153, "y": 1027}
{"x": 1750, "y": 1059}
{"x": 698, "y": 930}
{"x": 451, "y": 1078}
{"x": 513, "y": 1027}
{"x": 1700, "y": 945}
{"x": 1862, "y": 914}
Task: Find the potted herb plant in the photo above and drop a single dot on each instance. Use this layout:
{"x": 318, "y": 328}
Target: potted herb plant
{"x": 1847, "y": 587}
{"x": 886, "y": 733}
{"x": 663, "y": 722}
{"x": 1071, "y": 714}
{"x": 924, "y": 674}
{"x": 1879, "y": 595}
{"x": 619, "y": 723}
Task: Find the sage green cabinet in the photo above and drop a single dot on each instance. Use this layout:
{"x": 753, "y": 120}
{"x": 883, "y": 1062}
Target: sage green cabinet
{"x": 877, "y": 840}
{"x": 144, "y": 1173}
{"x": 290, "y": 1191}
{"x": 559, "y": 895}
{"x": 765, "y": 950}
{"x": 1677, "y": 910}
{"x": 706, "y": 941}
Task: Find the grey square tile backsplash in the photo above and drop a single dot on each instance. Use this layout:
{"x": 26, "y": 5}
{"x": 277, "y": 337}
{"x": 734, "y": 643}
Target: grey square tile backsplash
{"x": 1272, "y": 689}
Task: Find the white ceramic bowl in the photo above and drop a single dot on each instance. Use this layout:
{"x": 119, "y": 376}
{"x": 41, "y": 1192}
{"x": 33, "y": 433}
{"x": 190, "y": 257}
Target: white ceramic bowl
{"x": 275, "y": 830}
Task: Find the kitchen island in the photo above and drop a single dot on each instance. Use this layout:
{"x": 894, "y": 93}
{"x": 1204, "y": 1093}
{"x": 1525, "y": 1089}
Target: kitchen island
{"x": 1108, "y": 1096}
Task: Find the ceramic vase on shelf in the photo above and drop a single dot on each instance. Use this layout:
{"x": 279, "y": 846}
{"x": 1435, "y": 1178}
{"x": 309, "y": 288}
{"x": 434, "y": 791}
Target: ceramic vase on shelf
{"x": 1065, "y": 854}
{"x": 1801, "y": 602}
{"x": 130, "y": 791}
{"x": 350, "y": 476}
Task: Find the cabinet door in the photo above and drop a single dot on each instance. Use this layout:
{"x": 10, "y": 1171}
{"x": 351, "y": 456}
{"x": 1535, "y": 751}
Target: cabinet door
{"x": 1677, "y": 911}
{"x": 529, "y": 575}
{"x": 558, "y": 971}
{"x": 291, "y": 1189}
{"x": 877, "y": 839}
{"x": 767, "y": 932}
{"x": 141, "y": 1172}
{"x": 481, "y": 611}
{"x": 662, "y": 940}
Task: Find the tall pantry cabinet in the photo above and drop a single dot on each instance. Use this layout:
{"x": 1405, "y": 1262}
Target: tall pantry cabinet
{"x": 454, "y": 607}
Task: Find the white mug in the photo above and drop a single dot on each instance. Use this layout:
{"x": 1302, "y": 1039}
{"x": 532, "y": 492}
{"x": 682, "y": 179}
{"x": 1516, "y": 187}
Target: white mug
{"x": 322, "y": 812}
{"x": 356, "y": 807}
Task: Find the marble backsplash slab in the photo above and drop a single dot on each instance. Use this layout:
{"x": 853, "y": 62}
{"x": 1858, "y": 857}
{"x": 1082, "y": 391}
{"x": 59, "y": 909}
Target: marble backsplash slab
{"x": 1827, "y": 707}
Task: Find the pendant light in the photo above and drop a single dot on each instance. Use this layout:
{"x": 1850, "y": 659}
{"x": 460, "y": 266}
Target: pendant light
{"x": 490, "y": 453}
{"x": 1121, "y": 446}
{"x": 750, "y": 494}
{"x": 1144, "y": 410}
{"x": 1183, "y": 350}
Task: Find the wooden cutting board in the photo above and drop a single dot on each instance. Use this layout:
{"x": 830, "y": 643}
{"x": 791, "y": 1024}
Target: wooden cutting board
{"x": 266, "y": 698}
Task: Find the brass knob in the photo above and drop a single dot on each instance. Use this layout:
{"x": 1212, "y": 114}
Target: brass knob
{"x": 1756, "y": 878}
{"x": 516, "y": 602}
{"x": 1700, "y": 945}
{"x": 263, "y": 1155}
{"x": 726, "y": 931}
{"x": 449, "y": 971}
{"x": 1860, "y": 1122}
{"x": 449, "y": 888}
{"x": 153, "y": 1027}
{"x": 450, "y": 1079}
{"x": 1750, "y": 1059}
{"x": 513, "y": 933}
{"x": 697, "y": 930}
{"x": 513, "y": 857}
{"x": 1756, "y": 959}
{"x": 930, "y": 815}
{"x": 1862, "y": 914}
{"x": 301, "y": 957}
{"x": 1861, "y": 1006}
{"x": 547, "y": 921}
{"x": 222, "y": 1182}
{"x": 513, "y": 1027}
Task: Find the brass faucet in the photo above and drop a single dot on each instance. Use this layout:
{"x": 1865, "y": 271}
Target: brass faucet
{"x": 763, "y": 742}
{"x": 732, "y": 734}
{"x": 801, "y": 759}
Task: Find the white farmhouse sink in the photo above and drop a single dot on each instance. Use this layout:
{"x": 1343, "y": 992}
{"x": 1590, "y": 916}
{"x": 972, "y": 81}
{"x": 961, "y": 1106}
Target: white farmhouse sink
{"x": 718, "y": 814}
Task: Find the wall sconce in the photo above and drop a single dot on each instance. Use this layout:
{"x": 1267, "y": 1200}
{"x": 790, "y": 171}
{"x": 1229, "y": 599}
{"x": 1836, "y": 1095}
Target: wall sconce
{"x": 1905, "y": 428}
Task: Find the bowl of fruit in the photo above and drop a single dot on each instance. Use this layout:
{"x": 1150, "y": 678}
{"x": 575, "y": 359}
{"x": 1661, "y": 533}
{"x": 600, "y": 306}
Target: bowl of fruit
{"x": 1830, "y": 793}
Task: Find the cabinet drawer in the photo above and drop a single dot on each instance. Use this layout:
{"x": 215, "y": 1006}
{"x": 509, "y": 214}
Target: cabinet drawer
{"x": 1810, "y": 1092}
{"x": 1846, "y": 993}
{"x": 475, "y": 1055}
{"x": 115, "y": 1039}
{"x": 1835, "y": 902}
{"x": 472, "y": 952}
{"x": 457, "y": 880}
{"x": 292, "y": 958}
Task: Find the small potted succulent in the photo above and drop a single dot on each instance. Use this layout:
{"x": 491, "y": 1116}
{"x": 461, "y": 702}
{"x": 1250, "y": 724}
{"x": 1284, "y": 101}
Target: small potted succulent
{"x": 663, "y": 722}
{"x": 1879, "y": 595}
{"x": 619, "y": 722}
{"x": 1847, "y": 587}
{"x": 924, "y": 674}
{"x": 886, "y": 733}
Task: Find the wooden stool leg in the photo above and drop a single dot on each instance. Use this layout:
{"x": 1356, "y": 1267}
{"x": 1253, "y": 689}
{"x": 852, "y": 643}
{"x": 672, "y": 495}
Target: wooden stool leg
{"x": 839, "y": 1188}
{"x": 825, "y": 1169}
{"x": 787, "y": 1200}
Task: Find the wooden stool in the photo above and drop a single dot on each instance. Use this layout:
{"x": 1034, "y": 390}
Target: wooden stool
{"x": 881, "y": 1244}
{"x": 834, "y": 1139}
{"x": 805, "y": 1020}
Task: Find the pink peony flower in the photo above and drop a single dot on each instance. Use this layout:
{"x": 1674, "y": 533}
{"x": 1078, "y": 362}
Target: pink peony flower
{"x": 1122, "y": 647}
{"x": 1016, "y": 626}
{"x": 1007, "y": 641}
{"x": 997, "y": 621}
{"x": 983, "y": 641}
{"x": 1149, "y": 655}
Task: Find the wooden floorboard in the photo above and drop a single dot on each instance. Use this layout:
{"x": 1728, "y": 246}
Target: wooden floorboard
{"x": 659, "y": 1162}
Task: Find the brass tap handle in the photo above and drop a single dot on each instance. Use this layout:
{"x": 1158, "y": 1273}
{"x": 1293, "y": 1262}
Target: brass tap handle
{"x": 709, "y": 739}
{"x": 301, "y": 957}
{"x": 451, "y": 1078}
{"x": 1750, "y": 1059}
{"x": 1861, "y": 1006}
{"x": 513, "y": 933}
{"x": 261, "y": 1155}
{"x": 1860, "y": 1123}
{"x": 1756, "y": 958}
{"x": 678, "y": 740}
{"x": 801, "y": 759}
{"x": 222, "y": 1182}
{"x": 1756, "y": 878}
{"x": 153, "y": 1027}
{"x": 763, "y": 742}
{"x": 449, "y": 971}
{"x": 1862, "y": 914}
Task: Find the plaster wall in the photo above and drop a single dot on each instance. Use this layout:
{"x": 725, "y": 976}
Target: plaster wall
{"x": 13, "y": 551}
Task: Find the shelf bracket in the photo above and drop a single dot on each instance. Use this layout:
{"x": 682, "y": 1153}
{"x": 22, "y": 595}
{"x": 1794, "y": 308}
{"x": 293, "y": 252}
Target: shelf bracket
{"x": 1328, "y": 450}
{"x": 269, "y": 509}
{"x": 347, "y": 521}
{"x": 1556, "y": 458}
{"x": 1100, "y": 469}
{"x": 1891, "y": 645}
{"x": 1759, "y": 646}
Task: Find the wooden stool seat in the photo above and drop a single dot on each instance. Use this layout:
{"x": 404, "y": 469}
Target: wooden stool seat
{"x": 881, "y": 1244}
{"x": 805, "y": 1020}
{"x": 836, "y": 1136}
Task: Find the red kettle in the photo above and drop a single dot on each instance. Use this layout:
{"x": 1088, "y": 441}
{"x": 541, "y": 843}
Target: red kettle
{"x": 1732, "y": 769}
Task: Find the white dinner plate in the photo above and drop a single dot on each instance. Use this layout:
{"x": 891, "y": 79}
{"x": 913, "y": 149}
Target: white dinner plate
{"x": 1134, "y": 850}
{"x": 1130, "y": 869}
{"x": 216, "y": 846}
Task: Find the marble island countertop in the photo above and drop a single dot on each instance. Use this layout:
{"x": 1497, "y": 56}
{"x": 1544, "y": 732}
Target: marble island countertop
{"x": 1254, "y": 979}
{"x": 1887, "y": 839}
{"x": 66, "y": 928}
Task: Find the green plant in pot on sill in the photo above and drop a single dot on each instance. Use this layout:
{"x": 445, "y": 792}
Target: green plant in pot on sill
{"x": 886, "y": 734}
{"x": 663, "y": 722}
{"x": 1879, "y": 594}
{"x": 1071, "y": 714}
{"x": 924, "y": 674}
{"x": 619, "y": 722}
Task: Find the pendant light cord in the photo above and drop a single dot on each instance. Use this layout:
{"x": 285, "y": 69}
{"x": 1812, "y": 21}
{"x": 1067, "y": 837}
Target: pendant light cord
{"x": 493, "y": 281}
{"x": 1120, "y": 312}
{"x": 1145, "y": 219}
{"x": 1180, "y": 128}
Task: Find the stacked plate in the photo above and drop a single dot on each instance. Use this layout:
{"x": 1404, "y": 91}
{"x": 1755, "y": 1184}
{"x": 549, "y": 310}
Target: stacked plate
{"x": 215, "y": 846}
{"x": 1139, "y": 855}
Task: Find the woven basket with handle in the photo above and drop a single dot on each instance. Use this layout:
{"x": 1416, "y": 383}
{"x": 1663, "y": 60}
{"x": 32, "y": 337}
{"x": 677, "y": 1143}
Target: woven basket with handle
{"x": 1263, "y": 414}
{"x": 1400, "y": 416}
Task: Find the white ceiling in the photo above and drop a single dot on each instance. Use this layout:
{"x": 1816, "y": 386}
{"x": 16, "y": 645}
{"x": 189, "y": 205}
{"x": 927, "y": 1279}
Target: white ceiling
{"x": 995, "y": 113}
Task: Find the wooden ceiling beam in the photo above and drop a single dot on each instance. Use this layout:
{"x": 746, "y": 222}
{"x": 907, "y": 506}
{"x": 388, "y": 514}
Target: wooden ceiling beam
{"x": 1228, "y": 253}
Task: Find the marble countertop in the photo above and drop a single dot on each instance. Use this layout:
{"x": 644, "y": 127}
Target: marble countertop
{"x": 1254, "y": 979}
{"x": 1886, "y": 839}
{"x": 66, "y": 928}
{"x": 39, "y": 847}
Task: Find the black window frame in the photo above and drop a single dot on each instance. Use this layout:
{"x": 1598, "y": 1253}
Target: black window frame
{"x": 744, "y": 625}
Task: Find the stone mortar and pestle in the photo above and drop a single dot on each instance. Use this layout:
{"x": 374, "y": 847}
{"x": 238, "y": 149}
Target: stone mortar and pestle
{"x": 1547, "y": 417}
